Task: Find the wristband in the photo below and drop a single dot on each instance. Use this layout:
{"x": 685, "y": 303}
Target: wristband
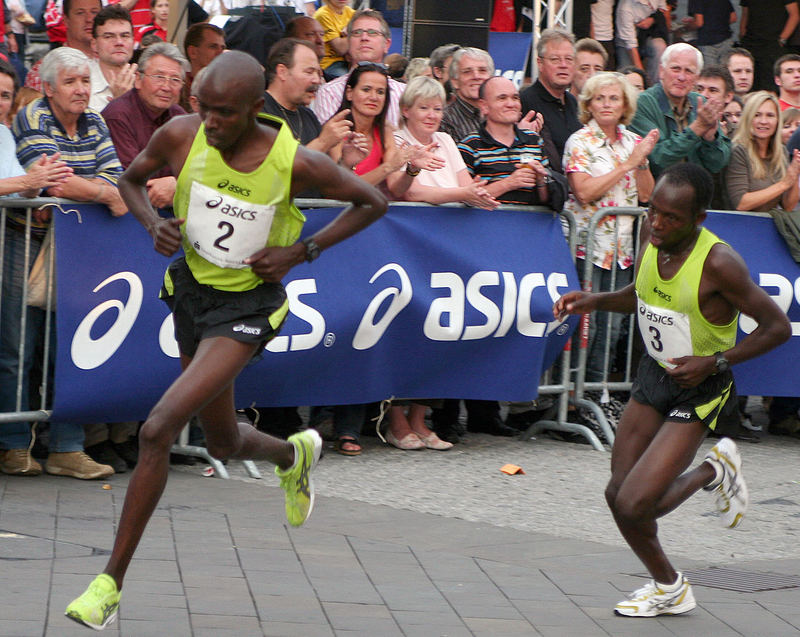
{"x": 312, "y": 249}
{"x": 410, "y": 170}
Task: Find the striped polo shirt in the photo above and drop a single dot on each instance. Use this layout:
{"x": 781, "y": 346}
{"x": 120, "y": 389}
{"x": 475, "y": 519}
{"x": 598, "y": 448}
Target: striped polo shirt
{"x": 490, "y": 160}
{"x": 90, "y": 153}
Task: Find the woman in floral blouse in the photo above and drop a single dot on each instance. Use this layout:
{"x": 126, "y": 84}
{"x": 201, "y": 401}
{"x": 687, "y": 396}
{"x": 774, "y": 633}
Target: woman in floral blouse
{"x": 606, "y": 166}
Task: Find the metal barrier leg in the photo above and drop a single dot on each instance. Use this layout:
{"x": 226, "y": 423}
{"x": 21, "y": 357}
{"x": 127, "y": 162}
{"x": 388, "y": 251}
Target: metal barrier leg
{"x": 182, "y": 448}
{"x": 602, "y": 421}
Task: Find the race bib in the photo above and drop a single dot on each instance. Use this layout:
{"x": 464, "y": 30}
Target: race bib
{"x": 666, "y": 333}
{"x": 225, "y": 230}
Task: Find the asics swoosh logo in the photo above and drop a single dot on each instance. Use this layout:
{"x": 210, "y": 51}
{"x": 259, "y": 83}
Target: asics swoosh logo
{"x": 302, "y": 480}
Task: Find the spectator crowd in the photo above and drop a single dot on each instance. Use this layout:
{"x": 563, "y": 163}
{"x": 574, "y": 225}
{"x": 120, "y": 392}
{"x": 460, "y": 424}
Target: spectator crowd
{"x": 601, "y": 120}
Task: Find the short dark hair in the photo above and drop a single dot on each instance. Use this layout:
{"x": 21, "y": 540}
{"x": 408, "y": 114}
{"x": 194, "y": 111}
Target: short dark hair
{"x": 196, "y": 32}
{"x": 66, "y": 5}
{"x": 282, "y": 52}
{"x": 720, "y": 72}
{"x": 697, "y": 178}
{"x": 111, "y": 12}
{"x": 737, "y": 50}
{"x": 789, "y": 57}
{"x": 6, "y": 68}
{"x": 626, "y": 70}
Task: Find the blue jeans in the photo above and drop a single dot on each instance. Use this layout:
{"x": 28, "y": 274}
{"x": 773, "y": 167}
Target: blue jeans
{"x": 63, "y": 436}
{"x": 602, "y": 322}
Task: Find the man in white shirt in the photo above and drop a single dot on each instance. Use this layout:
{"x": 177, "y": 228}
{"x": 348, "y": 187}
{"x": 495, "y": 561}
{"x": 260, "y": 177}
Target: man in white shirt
{"x": 112, "y": 42}
{"x": 368, "y": 40}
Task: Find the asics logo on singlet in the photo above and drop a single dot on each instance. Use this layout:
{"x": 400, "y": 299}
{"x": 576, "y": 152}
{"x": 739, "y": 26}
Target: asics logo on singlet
{"x": 247, "y": 329}
{"x": 231, "y": 211}
{"x": 655, "y": 317}
{"x": 663, "y": 295}
{"x": 245, "y": 192}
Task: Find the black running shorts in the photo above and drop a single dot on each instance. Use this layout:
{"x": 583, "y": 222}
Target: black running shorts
{"x": 201, "y": 311}
{"x": 654, "y": 387}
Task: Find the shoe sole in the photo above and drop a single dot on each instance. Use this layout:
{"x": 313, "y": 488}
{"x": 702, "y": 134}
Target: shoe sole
{"x": 734, "y": 461}
{"x": 55, "y": 471}
{"x": 110, "y": 620}
{"x": 676, "y": 610}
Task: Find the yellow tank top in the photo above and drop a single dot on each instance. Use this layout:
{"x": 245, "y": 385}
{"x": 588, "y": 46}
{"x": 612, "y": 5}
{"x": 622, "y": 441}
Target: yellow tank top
{"x": 230, "y": 215}
{"x": 668, "y": 311}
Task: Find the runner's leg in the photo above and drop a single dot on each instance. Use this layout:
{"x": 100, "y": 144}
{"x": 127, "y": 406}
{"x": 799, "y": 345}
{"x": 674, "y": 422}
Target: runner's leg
{"x": 215, "y": 365}
{"x": 649, "y": 455}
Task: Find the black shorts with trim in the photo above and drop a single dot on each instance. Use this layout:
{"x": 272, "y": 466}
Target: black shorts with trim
{"x": 706, "y": 402}
{"x": 201, "y": 311}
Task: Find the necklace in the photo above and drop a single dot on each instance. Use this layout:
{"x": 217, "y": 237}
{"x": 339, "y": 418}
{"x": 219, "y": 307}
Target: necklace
{"x": 298, "y": 133}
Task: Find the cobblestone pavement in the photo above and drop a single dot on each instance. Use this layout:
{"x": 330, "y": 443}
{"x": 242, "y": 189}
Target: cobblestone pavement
{"x": 562, "y": 492}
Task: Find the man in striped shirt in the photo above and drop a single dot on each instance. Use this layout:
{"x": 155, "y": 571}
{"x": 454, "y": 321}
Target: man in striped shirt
{"x": 59, "y": 123}
{"x": 510, "y": 160}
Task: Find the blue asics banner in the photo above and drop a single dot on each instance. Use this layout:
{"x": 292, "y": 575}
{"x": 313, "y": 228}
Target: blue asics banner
{"x": 771, "y": 266}
{"x": 427, "y": 302}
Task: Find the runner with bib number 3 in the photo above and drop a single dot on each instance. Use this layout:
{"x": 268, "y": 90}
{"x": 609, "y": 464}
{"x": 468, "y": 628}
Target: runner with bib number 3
{"x": 687, "y": 294}
{"x": 237, "y": 174}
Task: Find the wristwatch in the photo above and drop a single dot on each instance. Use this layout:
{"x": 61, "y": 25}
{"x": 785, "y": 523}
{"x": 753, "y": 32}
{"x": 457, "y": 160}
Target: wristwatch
{"x": 721, "y": 362}
{"x": 411, "y": 171}
{"x": 312, "y": 249}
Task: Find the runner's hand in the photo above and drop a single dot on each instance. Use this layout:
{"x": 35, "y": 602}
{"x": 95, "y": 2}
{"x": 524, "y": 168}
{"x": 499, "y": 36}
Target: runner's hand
{"x": 690, "y": 371}
{"x": 166, "y": 235}
{"x": 274, "y": 263}
{"x": 575, "y": 302}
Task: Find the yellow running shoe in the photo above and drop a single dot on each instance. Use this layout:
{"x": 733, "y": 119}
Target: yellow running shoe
{"x": 98, "y": 606}
{"x": 296, "y": 480}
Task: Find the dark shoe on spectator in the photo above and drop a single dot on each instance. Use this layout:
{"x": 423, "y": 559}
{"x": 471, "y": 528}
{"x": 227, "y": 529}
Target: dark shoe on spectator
{"x": 19, "y": 462}
{"x": 128, "y": 451}
{"x": 786, "y": 427}
{"x": 104, "y": 453}
{"x": 76, "y": 464}
{"x": 448, "y": 433}
{"x": 494, "y": 427}
{"x": 744, "y": 435}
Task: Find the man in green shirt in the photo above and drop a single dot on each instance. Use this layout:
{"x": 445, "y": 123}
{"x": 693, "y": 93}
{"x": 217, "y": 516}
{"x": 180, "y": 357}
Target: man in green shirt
{"x": 688, "y": 292}
{"x": 237, "y": 175}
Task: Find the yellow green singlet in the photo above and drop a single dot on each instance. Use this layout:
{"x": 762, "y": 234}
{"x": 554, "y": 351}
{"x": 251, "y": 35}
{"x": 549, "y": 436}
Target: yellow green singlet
{"x": 230, "y": 215}
{"x": 668, "y": 311}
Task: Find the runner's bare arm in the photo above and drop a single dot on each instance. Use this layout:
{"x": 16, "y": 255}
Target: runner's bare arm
{"x": 165, "y": 148}
{"x": 728, "y": 274}
{"x": 314, "y": 170}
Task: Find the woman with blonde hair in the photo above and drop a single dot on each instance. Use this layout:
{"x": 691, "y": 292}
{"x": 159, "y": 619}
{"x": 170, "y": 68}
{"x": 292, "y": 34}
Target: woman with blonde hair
{"x": 760, "y": 175}
{"x": 606, "y": 166}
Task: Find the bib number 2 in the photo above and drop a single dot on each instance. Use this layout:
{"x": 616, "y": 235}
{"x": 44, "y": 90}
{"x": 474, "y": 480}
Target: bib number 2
{"x": 227, "y": 229}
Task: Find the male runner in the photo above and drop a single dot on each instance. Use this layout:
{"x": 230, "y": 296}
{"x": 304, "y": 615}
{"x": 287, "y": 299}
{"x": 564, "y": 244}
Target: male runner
{"x": 237, "y": 173}
{"x": 689, "y": 289}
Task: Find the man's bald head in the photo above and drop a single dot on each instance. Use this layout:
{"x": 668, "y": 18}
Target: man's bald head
{"x": 236, "y": 72}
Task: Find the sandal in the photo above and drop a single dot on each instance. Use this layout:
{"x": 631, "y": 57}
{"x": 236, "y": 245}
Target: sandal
{"x": 348, "y": 440}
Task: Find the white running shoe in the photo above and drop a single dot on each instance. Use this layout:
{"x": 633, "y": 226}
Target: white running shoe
{"x": 650, "y": 601}
{"x": 731, "y": 493}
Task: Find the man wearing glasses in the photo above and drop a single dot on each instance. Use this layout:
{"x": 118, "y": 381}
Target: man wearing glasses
{"x": 112, "y": 73}
{"x": 549, "y": 96}
{"x": 368, "y": 41}
{"x": 133, "y": 117}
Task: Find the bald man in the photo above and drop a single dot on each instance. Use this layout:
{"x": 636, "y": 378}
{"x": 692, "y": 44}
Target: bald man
{"x": 225, "y": 294}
